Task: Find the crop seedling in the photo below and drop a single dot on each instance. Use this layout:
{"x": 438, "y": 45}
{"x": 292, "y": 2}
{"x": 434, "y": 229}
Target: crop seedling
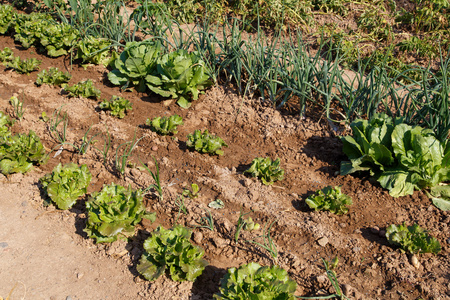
{"x": 121, "y": 161}
{"x": 253, "y": 281}
{"x": 85, "y": 89}
{"x": 216, "y": 204}
{"x": 106, "y": 146}
{"x": 18, "y": 153}
{"x": 206, "y": 221}
{"x": 57, "y": 118}
{"x": 6, "y": 55}
{"x": 171, "y": 251}
{"x": 25, "y": 66}
{"x": 331, "y": 274}
{"x": 205, "y": 142}
{"x": 115, "y": 210}
{"x": 193, "y": 193}
{"x": 331, "y": 199}
{"x": 157, "y": 185}
{"x": 165, "y": 125}
{"x": 117, "y": 106}
{"x": 66, "y": 184}
{"x": 268, "y": 243}
{"x": 52, "y": 76}
{"x": 265, "y": 169}
{"x": 179, "y": 201}
{"x": 240, "y": 225}
{"x": 5, "y": 123}
{"x": 412, "y": 239}
{"x": 17, "y": 105}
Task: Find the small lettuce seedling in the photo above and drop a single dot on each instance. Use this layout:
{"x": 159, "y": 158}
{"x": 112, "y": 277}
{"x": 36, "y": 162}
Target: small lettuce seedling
{"x": 412, "y": 239}
{"x": 265, "y": 169}
{"x": 331, "y": 199}
{"x": 115, "y": 210}
{"x": 52, "y": 76}
{"x": 6, "y": 55}
{"x": 252, "y": 281}
{"x": 24, "y": 66}
{"x": 85, "y": 89}
{"x": 171, "y": 250}
{"x": 117, "y": 106}
{"x": 205, "y": 142}
{"x": 165, "y": 125}
{"x": 18, "y": 153}
{"x": 66, "y": 184}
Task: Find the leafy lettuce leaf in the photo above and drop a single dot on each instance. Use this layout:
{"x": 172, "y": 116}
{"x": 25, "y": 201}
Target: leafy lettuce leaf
{"x": 66, "y": 184}
{"x": 265, "y": 169}
{"x": 412, "y": 239}
{"x": 117, "y": 106}
{"x": 331, "y": 199}
{"x": 180, "y": 75}
{"x": 170, "y": 250}
{"x": 205, "y": 142}
{"x": 165, "y": 125}
{"x": 137, "y": 60}
{"x": 252, "y": 281}
{"x": 18, "y": 153}
{"x": 114, "y": 210}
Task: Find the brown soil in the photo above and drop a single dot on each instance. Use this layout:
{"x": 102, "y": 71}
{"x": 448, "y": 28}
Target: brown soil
{"x": 46, "y": 255}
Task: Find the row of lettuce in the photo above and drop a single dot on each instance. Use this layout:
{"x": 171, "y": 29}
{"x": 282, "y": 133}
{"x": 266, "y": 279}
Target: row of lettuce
{"x": 146, "y": 66}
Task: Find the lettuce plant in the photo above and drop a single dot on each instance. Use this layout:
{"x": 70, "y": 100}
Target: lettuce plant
{"x": 117, "y": 106}
{"x": 180, "y": 75}
{"x": 24, "y": 66}
{"x": 265, "y": 169}
{"x": 412, "y": 239}
{"x": 52, "y": 76}
{"x": 114, "y": 210}
{"x": 205, "y": 142}
{"x": 18, "y": 153}
{"x": 165, "y": 125}
{"x": 171, "y": 250}
{"x": 58, "y": 38}
{"x": 84, "y": 89}
{"x": 252, "y": 281}
{"x": 331, "y": 199}
{"x": 6, "y": 55}
{"x": 5, "y": 123}
{"x": 401, "y": 157}
{"x": 29, "y": 28}
{"x": 137, "y": 60}
{"x": 7, "y": 16}
{"x": 95, "y": 51}
{"x": 66, "y": 184}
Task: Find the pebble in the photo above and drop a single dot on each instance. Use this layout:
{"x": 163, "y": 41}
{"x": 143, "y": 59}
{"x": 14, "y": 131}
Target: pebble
{"x": 323, "y": 241}
{"x": 155, "y": 148}
{"x": 375, "y": 230}
{"x": 415, "y": 262}
{"x": 68, "y": 298}
{"x": 3, "y": 244}
{"x": 80, "y": 275}
{"x": 198, "y": 237}
{"x": 382, "y": 233}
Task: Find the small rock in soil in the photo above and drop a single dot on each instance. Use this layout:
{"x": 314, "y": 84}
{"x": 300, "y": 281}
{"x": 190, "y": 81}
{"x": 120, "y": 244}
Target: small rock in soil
{"x": 198, "y": 237}
{"x": 155, "y": 148}
{"x": 323, "y": 241}
{"x": 375, "y": 230}
{"x": 382, "y": 233}
{"x": 3, "y": 244}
